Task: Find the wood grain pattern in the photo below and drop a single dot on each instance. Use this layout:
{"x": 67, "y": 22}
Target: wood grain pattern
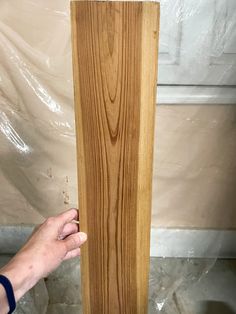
{"x": 115, "y": 65}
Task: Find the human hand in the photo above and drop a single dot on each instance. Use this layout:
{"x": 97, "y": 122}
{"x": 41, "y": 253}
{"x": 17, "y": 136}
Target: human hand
{"x": 56, "y": 240}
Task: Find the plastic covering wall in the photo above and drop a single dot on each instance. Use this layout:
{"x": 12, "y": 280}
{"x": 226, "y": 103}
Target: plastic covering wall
{"x": 195, "y": 164}
{"x": 37, "y": 136}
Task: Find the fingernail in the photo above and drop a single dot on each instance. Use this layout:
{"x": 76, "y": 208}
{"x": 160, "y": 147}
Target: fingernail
{"x": 83, "y": 236}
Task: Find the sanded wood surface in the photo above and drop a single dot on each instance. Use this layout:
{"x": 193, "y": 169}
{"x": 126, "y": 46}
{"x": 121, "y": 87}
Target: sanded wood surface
{"x": 115, "y": 65}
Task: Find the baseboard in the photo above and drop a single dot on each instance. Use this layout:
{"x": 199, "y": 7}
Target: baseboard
{"x": 185, "y": 243}
{"x": 192, "y": 243}
{"x": 196, "y": 95}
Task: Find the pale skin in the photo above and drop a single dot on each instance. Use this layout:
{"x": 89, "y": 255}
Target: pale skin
{"x": 53, "y": 242}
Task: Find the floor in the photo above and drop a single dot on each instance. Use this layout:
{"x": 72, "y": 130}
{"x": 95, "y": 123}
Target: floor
{"x": 177, "y": 286}
{"x": 192, "y": 286}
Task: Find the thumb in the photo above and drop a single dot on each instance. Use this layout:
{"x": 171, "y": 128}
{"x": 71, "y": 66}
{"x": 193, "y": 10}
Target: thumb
{"x": 75, "y": 240}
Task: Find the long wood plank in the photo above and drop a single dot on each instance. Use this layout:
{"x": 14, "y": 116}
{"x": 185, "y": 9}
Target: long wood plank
{"x": 115, "y": 66}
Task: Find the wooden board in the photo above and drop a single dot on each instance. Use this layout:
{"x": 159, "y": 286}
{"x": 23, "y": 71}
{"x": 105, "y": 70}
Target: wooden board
{"x": 115, "y": 66}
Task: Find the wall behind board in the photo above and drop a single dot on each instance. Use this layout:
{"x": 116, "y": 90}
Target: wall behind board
{"x": 195, "y": 164}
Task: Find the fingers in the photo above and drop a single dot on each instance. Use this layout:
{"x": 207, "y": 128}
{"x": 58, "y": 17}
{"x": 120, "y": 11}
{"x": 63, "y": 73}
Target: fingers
{"x": 72, "y": 254}
{"x": 67, "y": 216}
{"x": 74, "y": 241}
{"x": 68, "y": 229}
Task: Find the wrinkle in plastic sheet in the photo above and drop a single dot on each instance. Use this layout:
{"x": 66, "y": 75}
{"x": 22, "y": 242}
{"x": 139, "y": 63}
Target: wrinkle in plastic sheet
{"x": 37, "y": 132}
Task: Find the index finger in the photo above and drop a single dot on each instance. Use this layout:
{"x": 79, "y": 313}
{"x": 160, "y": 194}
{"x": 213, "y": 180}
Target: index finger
{"x": 67, "y": 216}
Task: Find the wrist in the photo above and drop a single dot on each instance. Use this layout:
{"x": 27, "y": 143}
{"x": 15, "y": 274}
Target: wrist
{"x": 21, "y": 275}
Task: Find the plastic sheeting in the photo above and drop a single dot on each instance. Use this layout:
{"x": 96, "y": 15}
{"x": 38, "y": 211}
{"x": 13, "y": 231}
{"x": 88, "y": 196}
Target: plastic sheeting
{"x": 195, "y": 166}
{"x": 169, "y": 293}
{"x": 38, "y": 168}
{"x": 194, "y": 173}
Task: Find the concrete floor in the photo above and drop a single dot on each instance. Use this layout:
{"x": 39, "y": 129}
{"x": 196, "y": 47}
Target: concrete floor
{"x": 215, "y": 292}
{"x": 192, "y": 286}
{"x": 177, "y": 286}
